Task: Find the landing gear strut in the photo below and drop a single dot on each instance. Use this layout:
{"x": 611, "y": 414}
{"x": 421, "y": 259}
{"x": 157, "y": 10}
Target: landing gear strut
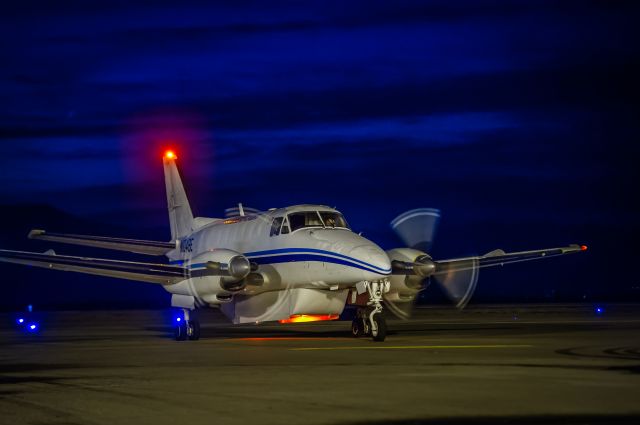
{"x": 369, "y": 320}
{"x": 186, "y": 326}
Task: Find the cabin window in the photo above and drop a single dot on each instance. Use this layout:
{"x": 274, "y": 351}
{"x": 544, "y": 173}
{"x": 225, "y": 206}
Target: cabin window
{"x": 275, "y": 226}
{"x": 333, "y": 219}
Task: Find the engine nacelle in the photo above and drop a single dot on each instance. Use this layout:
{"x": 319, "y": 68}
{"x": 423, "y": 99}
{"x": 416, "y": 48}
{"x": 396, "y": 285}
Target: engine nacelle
{"x": 407, "y": 286}
{"x": 214, "y": 276}
{"x": 231, "y": 266}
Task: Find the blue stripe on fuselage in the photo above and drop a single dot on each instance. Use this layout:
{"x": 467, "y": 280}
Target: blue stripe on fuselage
{"x": 289, "y": 255}
{"x": 292, "y": 258}
{"x": 318, "y": 251}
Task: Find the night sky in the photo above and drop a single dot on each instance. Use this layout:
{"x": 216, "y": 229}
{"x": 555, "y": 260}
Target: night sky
{"x": 517, "y": 119}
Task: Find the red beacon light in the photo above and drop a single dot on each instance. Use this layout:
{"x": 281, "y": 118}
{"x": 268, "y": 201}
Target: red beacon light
{"x": 583, "y": 247}
{"x": 170, "y": 155}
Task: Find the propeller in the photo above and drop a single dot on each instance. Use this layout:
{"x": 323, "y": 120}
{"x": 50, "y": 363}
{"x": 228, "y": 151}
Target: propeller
{"x": 460, "y": 284}
{"x": 417, "y": 228}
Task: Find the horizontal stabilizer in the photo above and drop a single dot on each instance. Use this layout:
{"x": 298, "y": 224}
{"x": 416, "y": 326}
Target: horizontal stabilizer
{"x": 163, "y": 274}
{"x": 118, "y": 244}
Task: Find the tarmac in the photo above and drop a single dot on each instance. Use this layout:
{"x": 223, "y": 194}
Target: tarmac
{"x": 515, "y": 364}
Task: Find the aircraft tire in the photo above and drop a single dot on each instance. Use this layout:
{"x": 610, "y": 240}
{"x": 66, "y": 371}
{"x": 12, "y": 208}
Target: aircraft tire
{"x": 195, "y": 330}
{"x": 357, "y": 328}
{"x": 380, "y": 333}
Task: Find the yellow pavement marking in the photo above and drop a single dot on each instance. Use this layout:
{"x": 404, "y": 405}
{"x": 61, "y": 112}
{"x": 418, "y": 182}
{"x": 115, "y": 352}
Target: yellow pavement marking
{"x": 410, "y": 347}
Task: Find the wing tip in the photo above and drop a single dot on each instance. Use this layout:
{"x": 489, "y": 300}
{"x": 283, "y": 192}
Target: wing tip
{"x": 574, "y": 248}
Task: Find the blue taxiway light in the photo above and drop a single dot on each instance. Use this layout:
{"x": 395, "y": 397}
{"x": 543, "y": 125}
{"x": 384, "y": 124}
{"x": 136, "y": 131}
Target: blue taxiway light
{"x": 178, "y": 319}
{"x": 33, "y": 327}
{"x": 20, "y": 320}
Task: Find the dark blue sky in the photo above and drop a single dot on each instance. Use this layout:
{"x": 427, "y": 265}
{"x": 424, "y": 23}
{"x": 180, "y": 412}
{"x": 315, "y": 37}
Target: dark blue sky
{"x": 518, "y": 119}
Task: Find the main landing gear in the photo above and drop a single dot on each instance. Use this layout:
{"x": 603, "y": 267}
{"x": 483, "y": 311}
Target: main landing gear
{"x": 187, "y": 326}
{"x": 369, "y": 320}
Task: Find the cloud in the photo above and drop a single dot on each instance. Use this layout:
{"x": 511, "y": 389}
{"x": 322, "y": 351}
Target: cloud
{"x": 437, "y": 130}
{"x": 286, "y": 88}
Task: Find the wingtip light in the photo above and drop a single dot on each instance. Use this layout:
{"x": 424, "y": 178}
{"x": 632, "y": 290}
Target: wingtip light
{"x": 583, "y": 247}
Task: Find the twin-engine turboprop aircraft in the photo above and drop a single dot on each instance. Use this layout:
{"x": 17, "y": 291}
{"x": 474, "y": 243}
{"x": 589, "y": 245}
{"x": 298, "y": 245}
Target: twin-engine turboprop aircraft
{"x": 299, "y": 263}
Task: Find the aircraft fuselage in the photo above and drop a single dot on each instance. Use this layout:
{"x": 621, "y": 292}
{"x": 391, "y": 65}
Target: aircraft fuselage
{"x": 311, "y": 257}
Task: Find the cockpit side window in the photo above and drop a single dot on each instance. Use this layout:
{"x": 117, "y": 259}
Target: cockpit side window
{"x": 275, "y": 226}
{"x": 285, "y": 226}
{"x": 333, "y": 219}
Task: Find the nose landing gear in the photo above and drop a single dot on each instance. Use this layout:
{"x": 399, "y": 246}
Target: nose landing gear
{"x": 369, "y": 320}
{"x": 187, "y": 326}
{"x": 362, "y": 325}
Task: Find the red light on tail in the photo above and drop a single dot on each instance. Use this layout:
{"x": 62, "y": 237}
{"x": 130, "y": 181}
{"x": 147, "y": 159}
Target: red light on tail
{"x": 300, "y": 318}
{"x": 170, "y": 155}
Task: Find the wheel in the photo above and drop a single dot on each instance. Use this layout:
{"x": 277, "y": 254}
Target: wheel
{"x": 194, "y": 330}
{"x": 180, "y": 331}
{"x": 380, "y": 333}
{"x": 357, "y": 328}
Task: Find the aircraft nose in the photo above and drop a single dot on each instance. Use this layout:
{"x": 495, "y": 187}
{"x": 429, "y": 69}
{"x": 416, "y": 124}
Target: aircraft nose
{"x": 372, "y": 257}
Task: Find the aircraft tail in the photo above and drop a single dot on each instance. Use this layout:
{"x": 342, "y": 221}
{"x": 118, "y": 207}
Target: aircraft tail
{"x": 180, "y": 215}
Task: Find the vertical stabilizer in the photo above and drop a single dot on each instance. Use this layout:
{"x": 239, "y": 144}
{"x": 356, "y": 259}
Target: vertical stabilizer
{"x": 180, "y": 215}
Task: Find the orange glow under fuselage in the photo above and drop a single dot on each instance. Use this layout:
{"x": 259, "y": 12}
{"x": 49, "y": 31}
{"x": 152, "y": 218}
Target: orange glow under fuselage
{"x": 301, "y": 318}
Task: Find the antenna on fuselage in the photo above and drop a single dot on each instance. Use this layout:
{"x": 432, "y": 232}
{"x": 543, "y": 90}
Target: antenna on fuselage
{"x": 240, "y": 209}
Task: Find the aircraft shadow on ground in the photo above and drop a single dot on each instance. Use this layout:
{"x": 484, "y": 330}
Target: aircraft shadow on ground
{"x": 164, "y": 332}
{"x": 513, "y": 420}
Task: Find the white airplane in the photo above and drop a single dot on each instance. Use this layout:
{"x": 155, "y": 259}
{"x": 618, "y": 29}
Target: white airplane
{"x": 295, "y": 264}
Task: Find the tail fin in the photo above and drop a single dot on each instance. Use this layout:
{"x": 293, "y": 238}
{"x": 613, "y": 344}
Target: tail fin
{"x": 180, "y": 215}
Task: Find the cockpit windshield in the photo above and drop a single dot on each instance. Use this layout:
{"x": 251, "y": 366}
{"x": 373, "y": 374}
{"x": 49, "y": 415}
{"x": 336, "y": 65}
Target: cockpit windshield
{"x": 329, "y": 219}
{"x": 333, "y": 219}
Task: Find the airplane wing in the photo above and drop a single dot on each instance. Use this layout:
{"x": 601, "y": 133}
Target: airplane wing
{"x": 118, "y": 244}
{"x": 500, "y": 258}
{"x": 458, "y": 277}
{"x": 163, "y": 274}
